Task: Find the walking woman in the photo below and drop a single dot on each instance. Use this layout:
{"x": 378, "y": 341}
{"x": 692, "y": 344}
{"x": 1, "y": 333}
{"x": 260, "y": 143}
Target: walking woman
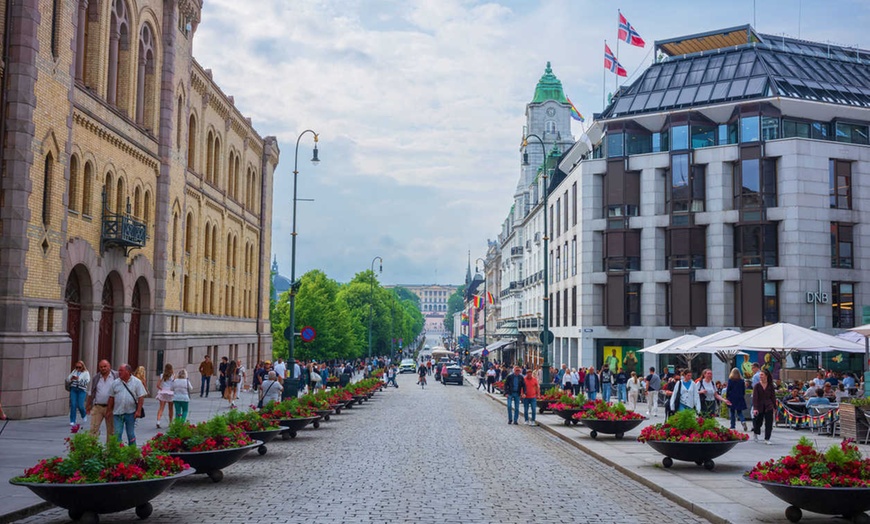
{"x": 634, "y": 387}
{"x": 79, "y": 381}
{"x": 181, "y": 399}
{"x": 165, "y": 393}
{"x": 763, "y": 405}
{"x": 735, "y": 393}
{"x": 232, "y": 383}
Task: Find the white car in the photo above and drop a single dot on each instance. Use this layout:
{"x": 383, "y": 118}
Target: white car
{"x": 408, "y": 365}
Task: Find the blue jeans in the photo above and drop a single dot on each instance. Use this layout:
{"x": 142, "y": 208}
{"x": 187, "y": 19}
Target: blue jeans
{"x": 605, "y": 391}
{"x": 735, "y": 414}
{"x": 128, "y": 420}
{"x": 620, "y": 393}
{"x": 204, "y": 384}
{"x": 76, "y": 403}
{"x": 529, "y": 402}
{"x": 513, "y": 411}
{"x": 392, "y": 380}
{"x": 592, "y": 394}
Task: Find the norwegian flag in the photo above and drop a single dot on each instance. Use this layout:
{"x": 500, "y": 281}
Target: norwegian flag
{"x": 611, "y": 63}
{"x": 628, "y": 34}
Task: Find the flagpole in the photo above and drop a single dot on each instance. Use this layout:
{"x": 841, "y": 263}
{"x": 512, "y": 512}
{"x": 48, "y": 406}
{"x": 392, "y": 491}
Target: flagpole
{"x": 616, "y": 56}
{"x": 604, "y": 84}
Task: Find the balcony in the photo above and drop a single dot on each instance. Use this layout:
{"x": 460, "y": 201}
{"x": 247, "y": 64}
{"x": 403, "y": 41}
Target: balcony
{"x": 516, "y": 251}
{"x": 122, "y": 230}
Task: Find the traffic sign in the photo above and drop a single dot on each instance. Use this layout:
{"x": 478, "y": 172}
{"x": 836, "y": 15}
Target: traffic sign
{"x": 485, "y": 352}
{"x": 308, "y": 334}
{"x": 288, "y": 333}
{"x": 547, "y": 337}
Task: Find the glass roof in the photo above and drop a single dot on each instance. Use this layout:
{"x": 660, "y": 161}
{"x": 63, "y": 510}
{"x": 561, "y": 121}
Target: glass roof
{"x": 775, "y": 66}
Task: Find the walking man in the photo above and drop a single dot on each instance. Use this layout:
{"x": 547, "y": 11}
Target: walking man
{"x": 514, "y": 386}
{"x": 206, "y": 370}
{"x": 653, "y": 385}
{"x": 97, "y": 404}
{"x": 530, "y": 398}
{"x": 125, "y": 402}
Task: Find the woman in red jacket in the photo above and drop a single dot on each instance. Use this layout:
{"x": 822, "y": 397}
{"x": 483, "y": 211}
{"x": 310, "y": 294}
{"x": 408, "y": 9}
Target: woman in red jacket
{"x": 530, "y": 397}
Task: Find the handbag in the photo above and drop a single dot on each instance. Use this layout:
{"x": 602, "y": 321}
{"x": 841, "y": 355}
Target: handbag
{"x": 263, "y": 395}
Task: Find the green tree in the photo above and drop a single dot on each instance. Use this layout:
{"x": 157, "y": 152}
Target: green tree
{"x": 455, "y": 304}
{"x": 318, "y": 306}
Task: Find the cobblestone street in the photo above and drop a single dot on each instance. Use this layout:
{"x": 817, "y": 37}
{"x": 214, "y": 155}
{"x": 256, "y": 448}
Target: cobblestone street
{"x": 443, "y": 454}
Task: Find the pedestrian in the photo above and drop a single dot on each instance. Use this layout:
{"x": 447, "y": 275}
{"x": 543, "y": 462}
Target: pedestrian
{"x": 621, "y": 380}
{"x": 567, "y": 380}
{"x": 125, "y": 402}
{"x": 763, "y": 406}
{"x": 280, "y": 368}
{"x": 686, "y": 394}
{"x": 77, "y": 382}
{"x": 243, "y": 376}
{"x": 391, "y": 376}
{"x": 514, "y": 386}
{"x": 579, "y": 380}
{"x": 634, "y": 389}
{"x": 709, "y": 394}
{"x": 756, "y": 374}
{"x": 222, "y": 376}
{"x": 165, "y": 393}
{"x": 653, "y": 385}
{"x": 592, "y": 384}
{"x": 490, "y": 379}
{"x": 324, "y": 376}
{"x": 231, "y": 382}
{"x": 98, "y": 399}
{"x": 270, "y": 390}
{"x": 143, "y": 378}
{"x": 530, "y": 398}
{"x": 481, "y": 377}
{"x": 735, "y": 393}
{"x": 206, "y": 370}
{"x": 606, "y": 379}
{"x": 181, "y": 395}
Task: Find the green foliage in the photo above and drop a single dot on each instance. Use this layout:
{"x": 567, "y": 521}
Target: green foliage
{"x": 685, "y": 420}
{"x": 619, "y": 408}
{"x": 455, "y": 304}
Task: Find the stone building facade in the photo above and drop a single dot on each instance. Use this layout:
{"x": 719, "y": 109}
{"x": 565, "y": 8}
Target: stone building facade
{"x": 135, "y": 202}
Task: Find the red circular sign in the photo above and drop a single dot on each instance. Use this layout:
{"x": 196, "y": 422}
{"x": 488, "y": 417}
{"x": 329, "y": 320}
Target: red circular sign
{"x": 307, "y": 334}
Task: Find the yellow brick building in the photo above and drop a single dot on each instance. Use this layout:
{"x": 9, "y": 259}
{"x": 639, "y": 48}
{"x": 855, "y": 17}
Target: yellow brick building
{"x": 135, "y": 199}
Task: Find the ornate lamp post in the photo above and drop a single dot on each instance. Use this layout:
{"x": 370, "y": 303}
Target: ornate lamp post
{"x": 545, "y": 333}
{"x": 290, "y": 333}
{"x": 372, "y": 299}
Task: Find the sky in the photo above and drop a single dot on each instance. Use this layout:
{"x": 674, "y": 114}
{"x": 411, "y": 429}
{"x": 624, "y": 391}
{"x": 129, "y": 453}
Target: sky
{"x": 420, "y": 104}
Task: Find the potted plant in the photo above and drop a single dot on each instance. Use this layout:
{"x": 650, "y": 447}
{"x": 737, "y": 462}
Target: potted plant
{"x": 567, "y": 406}
{"x": 96, "y": 478}
{"x": 318, "y": 405}
{"x": 686, "y": 436}
{"x": 834, "y": 482}
{"x": 290, "y": 414}
{"x": 612, "y": 419}
{"x": 548, "y": 398}
{"x": 499, "y": 386}
{"x": 208, "y": 446}
{"x": 853, "y": 419}
{"x": 255, "y": 426}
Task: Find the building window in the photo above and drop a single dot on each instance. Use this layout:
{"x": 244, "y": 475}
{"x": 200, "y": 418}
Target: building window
{"x": 660, "y": 142}
{"x": 87, "y": 184}
{"x": 795, "y": 129}
{"x": 841, "y": 245}
{"x": 615, "y": 145}
{"x": 632, "y": 304}
{"x": 851, "y": 133}
{"x": 727, "y": 134}
{"x": 574, "y": 256}
{"x": 755, "y": 245}
{"x": 558, "y": 261}
{"x": 46, "y": 189}
{"x": 756, "y": 184}
{"x": 638, "y": 143}
{"x": 574, "y": 204}
{"x": 749, "y": 129}
{"x": 769, "y": 128}
{"x": 574, "y": 306}
{"x": 565, "y": 260}
{"x": 72, "y": 196}
{"x": 771, "y": 303}
{"x": 703, "y": 135}
{"x": 843, "y": 294}
{"x": 679, "y": 138}
{"x": 840, "y": 184}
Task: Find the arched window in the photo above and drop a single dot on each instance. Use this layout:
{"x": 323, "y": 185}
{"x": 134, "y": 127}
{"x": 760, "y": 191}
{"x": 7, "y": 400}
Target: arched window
{"x": 236, "y": 175}
{"x": 230, "y": 163}
{"x": 119, "y": 56}
{"x": 146, "y": 79}
{"x": 235, "y": 249}
{"x": 146, "y": 209}
{"x": 87, "y": 185}
{"x": 73, "y": 194}
{"x": 90, "y": 24}
{"x": 207, "y": 242}
{"x": 249, "y": 189}
{"x": 108, "y": 193}
{"x": 46, "y": 189}
{"x": 137, "y": 202}
{"x": 229, "y": 251}
{"x": 209, "y": 157}
{"x": 175, "y": 238}
{"x": 120, "y": 200}
{"x": 188, "y": 233}
{"x": 214, "y": 234}
{"x": 191, "y": 143}
{"x": 55, "y": 30}
{"x": 178, "y": 120}
{"x": 217, "y": 162}
{"x": 255, "y": 192}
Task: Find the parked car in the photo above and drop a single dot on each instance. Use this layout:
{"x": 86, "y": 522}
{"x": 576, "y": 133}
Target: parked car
{"x": 408, "y": 365}
{"x": 454, "y": 374}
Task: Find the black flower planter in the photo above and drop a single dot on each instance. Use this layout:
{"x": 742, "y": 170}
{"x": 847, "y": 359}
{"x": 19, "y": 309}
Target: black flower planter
{"x": 337, "y": 407}
{"x": 618, "y": 428}
{"x": 568, "y": 415}
{"x": 544, "y": 405}
{"x": 359, "y": 398}
{"x": 701, "y": 453}
{"x": 325, "y": 413}
{"x": 86, "y": 501}
{"x": 349, "y": 403}
{"x": 265, "y": 436}
{"x": 851, "y": 503}
{"x": 293, "y": 425}
{"x": 212, "y": 462}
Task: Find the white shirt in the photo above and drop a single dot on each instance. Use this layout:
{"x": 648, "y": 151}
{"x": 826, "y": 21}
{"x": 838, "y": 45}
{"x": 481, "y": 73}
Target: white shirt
{"x": 124, "y": 401}
{"x": 297, "y": 371}
{"x": 280, "y": 369}
{"x": 104, "y": 389}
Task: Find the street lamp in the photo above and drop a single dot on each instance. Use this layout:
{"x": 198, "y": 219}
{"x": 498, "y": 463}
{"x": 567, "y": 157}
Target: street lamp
{"x": 545, "y": 333}
{"x": 485, "y": 298}
{"x": 372, "y": 299}
{"x": 290, "y": 333}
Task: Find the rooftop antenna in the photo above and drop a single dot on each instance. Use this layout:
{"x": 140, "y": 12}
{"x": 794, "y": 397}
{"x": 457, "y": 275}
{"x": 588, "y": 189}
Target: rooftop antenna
{"x": 800, "y": 5}
{"x": 754, "y": 25}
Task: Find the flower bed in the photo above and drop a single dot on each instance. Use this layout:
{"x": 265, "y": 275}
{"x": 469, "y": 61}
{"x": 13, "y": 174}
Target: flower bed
{"x": 89, "y": 462}
{"x": 551, "y": 394}
{"x": 686, "y": 426}
{"x": 600, "y": 410}
{"x": 841, "y": 466}
{"x": 290, "y": 408}
{"x": 211, "y": 435}
{"x": 249, "y": 421}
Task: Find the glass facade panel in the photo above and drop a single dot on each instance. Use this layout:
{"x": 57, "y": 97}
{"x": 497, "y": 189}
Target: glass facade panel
{"x": 670, "y": 97}
{"x": 771, "y": 303}
{"x": 769, "y": 128}
{"x": 792, "y": 128}
{"x": 851, "y": 133}
{"x": 679, "y": 183}
{"x": 703, "y": 93}
{"x": 737, "y": 88}
{"x": 615, "y": 145}
{"x": 679, "y": 138}
{"x": 727, "y": 134}
{"x": 843, "y": 304}
{"x": 750, "y": 184}
{"x": 749, "y": 129}
{"x": 638, "y": 143}
{"x": 755, "y": 86}
{"x": 687, "y": 95}
{"x": 821, "y": 130}
{"x": 703, "y": 135}
{"x": 720, "y": 91}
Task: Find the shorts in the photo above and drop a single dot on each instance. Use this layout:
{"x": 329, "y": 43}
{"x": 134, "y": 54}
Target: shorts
{"x": 165, "y": 396}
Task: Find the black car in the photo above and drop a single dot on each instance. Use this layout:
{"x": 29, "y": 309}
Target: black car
{"x": 454, "y": 374}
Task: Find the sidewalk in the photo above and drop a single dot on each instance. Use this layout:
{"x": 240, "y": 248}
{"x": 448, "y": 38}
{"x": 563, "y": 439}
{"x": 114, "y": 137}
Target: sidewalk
{"x": 720, "y": 496}
{"x": 24, "y": 442}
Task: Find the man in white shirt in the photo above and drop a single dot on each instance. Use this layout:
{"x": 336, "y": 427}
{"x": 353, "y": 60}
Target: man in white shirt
{"x": 98, "y": 400}
{"x": 280, "y": 369}
{"x": 125, "y": 402}
{"x": 756, "y": 374}
{"x": 297, "y": 370}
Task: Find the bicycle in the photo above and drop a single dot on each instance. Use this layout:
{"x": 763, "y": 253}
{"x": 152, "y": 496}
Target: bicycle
{"x": 422, "y": 381}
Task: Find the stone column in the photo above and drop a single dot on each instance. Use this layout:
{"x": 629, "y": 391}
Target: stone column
{"x": 90, "y": 335}
{"x": 140, "y": 90}
{"x": 114, "y": 49}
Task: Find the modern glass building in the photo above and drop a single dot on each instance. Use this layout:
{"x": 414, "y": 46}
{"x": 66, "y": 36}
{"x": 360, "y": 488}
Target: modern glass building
{"x": 726, "y": 188}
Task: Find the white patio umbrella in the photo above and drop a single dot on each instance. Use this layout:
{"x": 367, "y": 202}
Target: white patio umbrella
{"x": 864, "y": 330}
{"x": 663, "y": 347}
{"x": 782, "y": 339}
{"x": 708, "y": 345}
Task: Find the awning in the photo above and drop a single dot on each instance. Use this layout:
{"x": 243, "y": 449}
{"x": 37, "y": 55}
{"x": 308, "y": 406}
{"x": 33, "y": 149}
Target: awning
{"x": 495, "y": 346}
{"x": 508, "y": 329}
